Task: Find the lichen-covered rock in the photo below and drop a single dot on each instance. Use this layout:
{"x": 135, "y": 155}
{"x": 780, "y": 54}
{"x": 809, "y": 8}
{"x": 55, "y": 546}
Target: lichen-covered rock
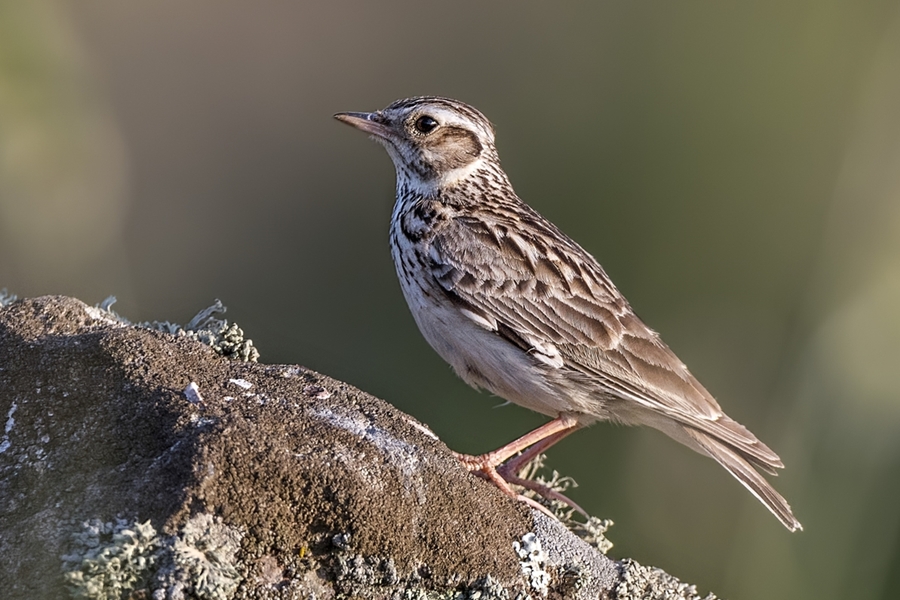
{"x": 139, "y": 464}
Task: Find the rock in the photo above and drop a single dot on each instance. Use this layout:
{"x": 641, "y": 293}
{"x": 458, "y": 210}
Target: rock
{"x": 139, "y": 464}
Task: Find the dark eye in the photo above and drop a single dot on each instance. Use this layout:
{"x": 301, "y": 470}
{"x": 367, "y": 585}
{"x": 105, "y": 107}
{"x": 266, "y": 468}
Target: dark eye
{"x": 425, "y": 124}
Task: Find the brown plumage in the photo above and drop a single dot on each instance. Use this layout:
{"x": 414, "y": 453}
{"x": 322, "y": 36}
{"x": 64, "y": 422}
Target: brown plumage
{"x": 520, "y": 309}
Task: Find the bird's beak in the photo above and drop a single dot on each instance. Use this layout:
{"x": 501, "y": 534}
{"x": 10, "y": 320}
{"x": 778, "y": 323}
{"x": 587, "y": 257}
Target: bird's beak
{"x": 372, "y": 123}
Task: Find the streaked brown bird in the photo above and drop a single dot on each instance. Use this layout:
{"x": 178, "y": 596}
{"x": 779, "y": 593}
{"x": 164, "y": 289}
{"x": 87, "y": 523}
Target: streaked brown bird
{"x": 521, "y": 310}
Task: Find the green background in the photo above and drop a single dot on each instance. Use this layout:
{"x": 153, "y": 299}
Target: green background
{"x": 734, "y": 166}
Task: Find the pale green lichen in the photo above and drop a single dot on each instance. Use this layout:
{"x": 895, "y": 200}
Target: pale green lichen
{"x": 226, "y": 339}
{"x": 649, "y": 583}
{"x": 357, "y": 576}
{"x": 116, "y": 560}
{"x": 109, "y": 559}
{"x": 203, "y": 560}
{"x": 591, "y": 529}
{"x": 486, "y": 588}
{"x": 6, "y": 298}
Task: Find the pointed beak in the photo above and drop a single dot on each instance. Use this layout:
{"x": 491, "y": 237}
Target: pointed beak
{"x": 372, "y": 123}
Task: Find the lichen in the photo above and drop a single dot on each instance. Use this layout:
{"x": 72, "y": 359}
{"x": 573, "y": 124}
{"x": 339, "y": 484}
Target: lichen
{"x": 357, "y": 576}
{"x": 638, "y": 582}
{"x": 10, "y": 423}
{"x": 118, "y": 559}
{"x": 532, "y": 559}
{"x": 485, "y": 588}
{"x": 589, "y": 528}
{"x": 109, "y": 559}
{"x": 6, "y": 298}
{"x": 200, "y": 561}
{"x": 368, "y": 571}
{"x": 126, "y": 559}
{"x": 592, "y": 531}
{"x": 226, "y": 339}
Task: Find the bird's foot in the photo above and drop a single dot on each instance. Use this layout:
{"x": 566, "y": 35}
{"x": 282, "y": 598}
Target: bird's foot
{"x": 510, "y": 474}
{"x": 502, "y": 476}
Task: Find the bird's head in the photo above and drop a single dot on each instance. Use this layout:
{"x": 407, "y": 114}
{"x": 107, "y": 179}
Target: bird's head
{"x": 434, "y": 142}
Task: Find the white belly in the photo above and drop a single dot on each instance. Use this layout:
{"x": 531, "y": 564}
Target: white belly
{"x": 479, "y": 356}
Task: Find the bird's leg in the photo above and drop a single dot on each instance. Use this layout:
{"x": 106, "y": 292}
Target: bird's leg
{"x": 529, "y": 445}
{"x": 509, "y": 471}
{"x": 516, "y": 463}
{"x": 499, "y": 456}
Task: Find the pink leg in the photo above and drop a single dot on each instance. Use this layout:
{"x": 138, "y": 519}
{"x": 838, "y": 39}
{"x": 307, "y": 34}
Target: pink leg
{"x": 530, "y": 445}
{"x": 509, "y": 471}
{"x": 515, "y": 464}
{"x": 499, "y": 456}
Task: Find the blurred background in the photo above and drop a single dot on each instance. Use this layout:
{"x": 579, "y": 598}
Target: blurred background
{"x": 735, "y": 167}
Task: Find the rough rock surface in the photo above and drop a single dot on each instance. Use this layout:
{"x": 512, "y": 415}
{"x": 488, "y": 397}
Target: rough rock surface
{"x": 138, "y": 464}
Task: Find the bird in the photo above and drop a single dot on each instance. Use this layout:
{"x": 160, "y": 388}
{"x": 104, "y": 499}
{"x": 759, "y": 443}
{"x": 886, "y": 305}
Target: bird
{"x": 519, "y": 309}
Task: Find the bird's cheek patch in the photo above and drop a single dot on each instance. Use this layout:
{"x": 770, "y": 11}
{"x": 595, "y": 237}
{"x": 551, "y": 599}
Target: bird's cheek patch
{"x": 453, "y": 148}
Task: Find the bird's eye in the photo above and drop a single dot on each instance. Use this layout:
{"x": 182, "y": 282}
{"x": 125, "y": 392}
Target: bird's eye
{"x": 425, "y": 124}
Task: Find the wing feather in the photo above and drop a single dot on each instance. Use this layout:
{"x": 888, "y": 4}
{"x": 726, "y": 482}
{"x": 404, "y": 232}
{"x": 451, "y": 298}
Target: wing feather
{"x": 561, "y": 296}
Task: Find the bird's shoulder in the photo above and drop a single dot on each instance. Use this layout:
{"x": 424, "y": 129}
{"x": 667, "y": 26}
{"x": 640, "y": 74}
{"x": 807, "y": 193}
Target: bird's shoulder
{"x": 506, "y": 259}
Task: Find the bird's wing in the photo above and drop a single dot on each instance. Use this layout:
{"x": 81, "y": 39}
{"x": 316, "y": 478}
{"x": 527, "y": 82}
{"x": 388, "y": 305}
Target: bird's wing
{"x": 534, "y": 285}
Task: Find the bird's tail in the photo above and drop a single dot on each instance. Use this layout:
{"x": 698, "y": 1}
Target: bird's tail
{"x": 737, "y": 461}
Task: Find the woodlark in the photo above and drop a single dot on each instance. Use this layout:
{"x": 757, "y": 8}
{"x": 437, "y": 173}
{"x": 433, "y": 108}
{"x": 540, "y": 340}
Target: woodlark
{"x": 519, "y": 309}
